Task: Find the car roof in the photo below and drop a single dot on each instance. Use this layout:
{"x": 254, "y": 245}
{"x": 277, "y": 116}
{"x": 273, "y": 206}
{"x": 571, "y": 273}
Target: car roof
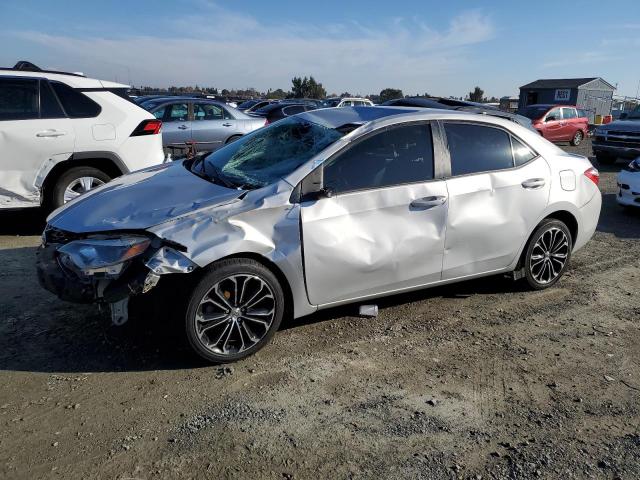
{"x": 337, "y": 117}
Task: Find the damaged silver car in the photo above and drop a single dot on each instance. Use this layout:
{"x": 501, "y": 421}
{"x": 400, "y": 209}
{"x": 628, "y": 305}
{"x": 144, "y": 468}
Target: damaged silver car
{"x": 324, "y": 208}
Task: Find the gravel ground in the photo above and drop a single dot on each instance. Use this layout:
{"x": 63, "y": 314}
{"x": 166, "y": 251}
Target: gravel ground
{"x": 476, "y": 380}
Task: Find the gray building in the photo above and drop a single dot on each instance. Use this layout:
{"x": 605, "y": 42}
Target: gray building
{"x": 594, "y": 95}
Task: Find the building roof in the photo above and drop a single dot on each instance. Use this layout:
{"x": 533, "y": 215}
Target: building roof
{"x": 563, "y": 82}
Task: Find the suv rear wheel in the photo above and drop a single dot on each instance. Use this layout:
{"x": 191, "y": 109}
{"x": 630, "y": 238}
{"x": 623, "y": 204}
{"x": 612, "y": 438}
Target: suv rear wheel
{"x": 76, "y": 181}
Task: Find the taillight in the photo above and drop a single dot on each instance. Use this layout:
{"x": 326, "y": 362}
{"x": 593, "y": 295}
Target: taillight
{"x": 593, "y": 175}
{"x": 147, "y": 127}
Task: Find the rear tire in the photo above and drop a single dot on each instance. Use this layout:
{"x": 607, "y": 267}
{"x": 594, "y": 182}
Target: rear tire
{"x": 234, "y": 311}
{"x": 74, "y": 182}
{"x": 232, "y": 139}
{"x": 605, "y": 158}
{"x": 577, "y": 138}
{"x": 548, "y": 254}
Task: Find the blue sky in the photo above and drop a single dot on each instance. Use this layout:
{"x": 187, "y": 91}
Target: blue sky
{"x": 443, "y": 48}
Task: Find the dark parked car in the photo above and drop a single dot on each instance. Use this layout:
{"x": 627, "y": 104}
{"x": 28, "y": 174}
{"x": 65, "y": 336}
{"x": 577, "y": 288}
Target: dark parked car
{"x": 278, "y": 111}
{"x": 619, "y": 139}
{"x": 460, "y": 105}
{"x": 253, "y": 105}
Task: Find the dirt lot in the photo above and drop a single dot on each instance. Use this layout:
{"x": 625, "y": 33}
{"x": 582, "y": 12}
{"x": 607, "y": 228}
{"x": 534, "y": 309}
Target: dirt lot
{"x": 477, "y": 380}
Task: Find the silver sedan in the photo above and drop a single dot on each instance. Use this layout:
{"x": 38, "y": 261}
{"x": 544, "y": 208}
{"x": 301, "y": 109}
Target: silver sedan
{"x": 209, "y": 124}
{"x": 324, "y": 208}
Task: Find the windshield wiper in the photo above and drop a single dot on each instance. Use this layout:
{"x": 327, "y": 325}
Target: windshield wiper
{"x": 217, "y": 175}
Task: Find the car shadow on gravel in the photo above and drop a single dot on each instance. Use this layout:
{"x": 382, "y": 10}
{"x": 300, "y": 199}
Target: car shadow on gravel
{"x": 497, "y": 284}
{"x": 27, "y": 221}
{"x": 622, "y": 222}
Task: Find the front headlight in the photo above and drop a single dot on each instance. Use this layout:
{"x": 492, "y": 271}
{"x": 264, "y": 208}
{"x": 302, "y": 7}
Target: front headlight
{"x": 634, "y": 166}
{"x": 98, "y": 253}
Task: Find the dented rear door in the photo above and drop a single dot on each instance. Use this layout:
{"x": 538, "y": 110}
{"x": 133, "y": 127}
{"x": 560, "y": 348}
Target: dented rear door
{"x": 491, "y": 211}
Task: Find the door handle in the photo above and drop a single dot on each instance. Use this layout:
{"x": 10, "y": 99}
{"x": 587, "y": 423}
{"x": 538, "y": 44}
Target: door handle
{"x": 50, "y": 134}
{"x": 183, "y": 127}
{"x": 227, "y": 124}
{"x": 428, "y": 202}
{"x": 533, "y": 183}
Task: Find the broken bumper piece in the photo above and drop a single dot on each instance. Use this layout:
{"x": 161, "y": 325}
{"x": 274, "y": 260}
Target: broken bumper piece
{"x": 107, "y": 270}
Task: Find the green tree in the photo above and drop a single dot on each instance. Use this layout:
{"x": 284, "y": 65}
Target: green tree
{"x": 307, "y": 88}
{"x": 477, "y": 95}
{"x": 390, "y": 94}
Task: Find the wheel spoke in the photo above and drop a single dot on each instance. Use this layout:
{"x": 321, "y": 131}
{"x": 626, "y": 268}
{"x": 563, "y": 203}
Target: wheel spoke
{"x": 235, "y": 314}
{"x": 86, "y": 183}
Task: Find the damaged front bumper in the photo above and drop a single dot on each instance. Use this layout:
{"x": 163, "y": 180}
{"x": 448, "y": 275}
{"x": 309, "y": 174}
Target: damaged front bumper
{"x": 107, "y": 268}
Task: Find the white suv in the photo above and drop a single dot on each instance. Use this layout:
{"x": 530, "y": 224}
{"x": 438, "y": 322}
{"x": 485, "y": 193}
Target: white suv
{"x": 62, "y": 134}
{"x": 347, "y": 102}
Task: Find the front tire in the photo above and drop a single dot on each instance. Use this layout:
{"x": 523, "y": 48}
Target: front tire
{"x": 234, "y": 310}
{"x": 548, "y": 254}
{"x": 577, "y": 138}
{"x": 74, "y": 182}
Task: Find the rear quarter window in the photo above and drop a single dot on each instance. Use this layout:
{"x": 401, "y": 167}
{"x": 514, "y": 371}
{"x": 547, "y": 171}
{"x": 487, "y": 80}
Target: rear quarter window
{"x": 75, "y": 103}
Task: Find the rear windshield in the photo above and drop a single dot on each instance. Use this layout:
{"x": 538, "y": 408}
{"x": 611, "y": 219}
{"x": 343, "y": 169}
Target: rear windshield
{"x": 534, "y": 113}
{"x": 268, "y": 154}
{"x": 635, "y": 114}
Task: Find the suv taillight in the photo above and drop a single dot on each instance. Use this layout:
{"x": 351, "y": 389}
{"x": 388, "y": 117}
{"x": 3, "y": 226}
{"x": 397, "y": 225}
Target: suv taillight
{"x": 593, "y": 175}
{"x": 147, "y": 127}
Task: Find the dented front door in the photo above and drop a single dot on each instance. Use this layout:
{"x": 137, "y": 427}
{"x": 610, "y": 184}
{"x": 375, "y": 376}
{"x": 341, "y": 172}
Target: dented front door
{"x": 373, "y": 241}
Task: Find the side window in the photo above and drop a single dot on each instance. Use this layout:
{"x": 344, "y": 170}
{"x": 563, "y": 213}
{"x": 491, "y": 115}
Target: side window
{"x": 554, "y": 114}
{"x": 207, "y": 111}
{"x": 49, "y": 105}
{"x": 18, "y": 99}
{"x": 392, "y": 157}
{"x": 292, "y": 110}
{"x": 568, "y": 113}
{"x": 582, "y": 114}
{"x": 521, "y": 153}
{"x": 476, "y": 148}
{"x": 159, "y": 113}
{"x": 179, "y": 112}
{"x": 75, "y": 103}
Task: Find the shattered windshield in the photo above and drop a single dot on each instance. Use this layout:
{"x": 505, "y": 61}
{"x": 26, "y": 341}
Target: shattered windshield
{"x": 268, "y": 154}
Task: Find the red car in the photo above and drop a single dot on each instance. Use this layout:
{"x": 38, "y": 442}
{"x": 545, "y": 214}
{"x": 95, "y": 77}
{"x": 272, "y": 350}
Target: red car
{"x": 559, "y": 123}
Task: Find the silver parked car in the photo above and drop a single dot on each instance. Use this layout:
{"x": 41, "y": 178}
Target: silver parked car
{"x": 207, "y": 123}
{"x": 324, "y": 208}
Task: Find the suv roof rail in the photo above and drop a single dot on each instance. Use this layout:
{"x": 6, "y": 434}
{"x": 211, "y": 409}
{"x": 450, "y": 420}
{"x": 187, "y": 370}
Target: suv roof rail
{"x": 25, "y": 66}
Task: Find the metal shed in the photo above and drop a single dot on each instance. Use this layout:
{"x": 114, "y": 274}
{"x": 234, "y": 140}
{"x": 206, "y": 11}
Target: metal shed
{"x": 592, "y": 94}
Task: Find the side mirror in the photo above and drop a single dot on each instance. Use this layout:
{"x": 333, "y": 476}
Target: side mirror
{"x": 623, "y": 115}
{"x": 317, "y": 195}
{"x": 312, "y": 188}
{"x": 550, "y": 118}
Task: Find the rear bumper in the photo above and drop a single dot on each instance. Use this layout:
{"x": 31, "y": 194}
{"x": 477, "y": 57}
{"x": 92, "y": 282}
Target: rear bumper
{"x": 588, "y": 222}
{"x": 617, "y": 150}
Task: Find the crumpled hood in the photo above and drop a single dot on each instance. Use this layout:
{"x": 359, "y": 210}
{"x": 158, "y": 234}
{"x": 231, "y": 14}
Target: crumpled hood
{"x": 141, "y": 200}
{"x": 624, "y": 125}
